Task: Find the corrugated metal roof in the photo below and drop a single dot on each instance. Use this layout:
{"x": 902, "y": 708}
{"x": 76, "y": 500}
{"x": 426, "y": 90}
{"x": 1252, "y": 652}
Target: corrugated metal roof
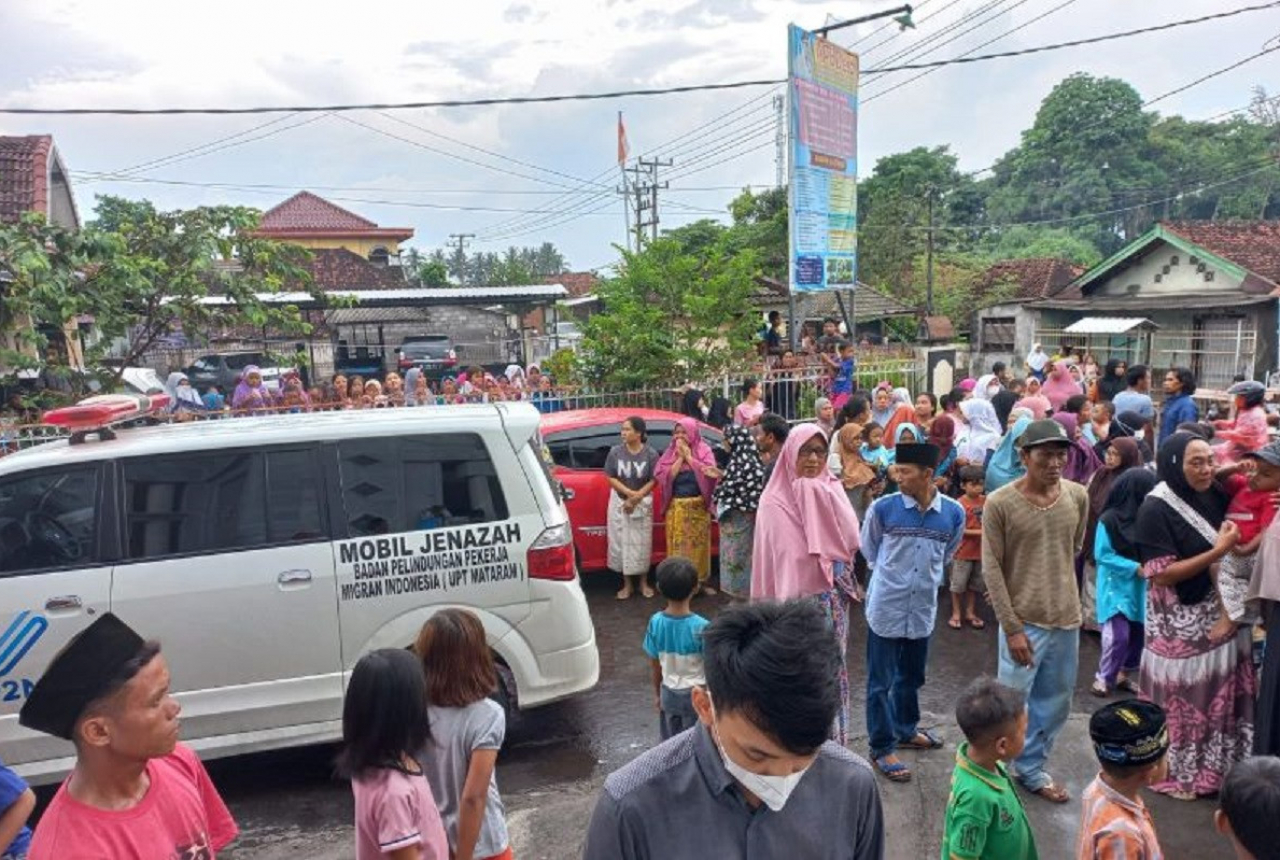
{"x": 1108, "y": 325}
{"x": 416, "y": 295}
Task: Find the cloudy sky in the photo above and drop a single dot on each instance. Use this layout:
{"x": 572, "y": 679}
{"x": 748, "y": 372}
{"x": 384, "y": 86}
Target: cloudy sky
{"x": 526, "y": 173}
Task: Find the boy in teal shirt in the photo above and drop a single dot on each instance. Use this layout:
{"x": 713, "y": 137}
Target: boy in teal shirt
{"x": 985, "y": 819}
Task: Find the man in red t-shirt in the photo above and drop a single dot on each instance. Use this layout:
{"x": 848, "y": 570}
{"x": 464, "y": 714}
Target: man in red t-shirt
{"x": 135, "y": 793}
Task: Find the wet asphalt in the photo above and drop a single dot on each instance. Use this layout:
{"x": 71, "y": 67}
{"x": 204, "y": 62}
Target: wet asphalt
{"x": 289, "y": 805}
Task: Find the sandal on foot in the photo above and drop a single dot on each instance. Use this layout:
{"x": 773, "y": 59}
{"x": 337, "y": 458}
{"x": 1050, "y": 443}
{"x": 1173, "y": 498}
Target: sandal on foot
{"x": 977, "y": 623}
{"x": 930, "y": 742}
{"x": 624, "y": 595}
{"x": 706, "y": 589}
{"x": 894, "y": 771}
{"x": 1052, "y": 792}
{"x": 1100, "y": 690}
{"x": 954, "y": 623}
{"x": 648, "y": 592}
{"x": 1128, "y": 685}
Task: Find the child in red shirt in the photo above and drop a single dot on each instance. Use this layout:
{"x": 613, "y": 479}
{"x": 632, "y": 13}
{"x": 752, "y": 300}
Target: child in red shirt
{"x": 966, "y": 569}
{"x": 1252, "y": 510}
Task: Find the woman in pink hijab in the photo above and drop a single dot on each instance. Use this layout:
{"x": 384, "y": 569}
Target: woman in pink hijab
{"x": 1035, "y": 400}
{"x": 686, "y": 475}
{"x": 806, "y": 535}
{"x": 1060, "y": 386}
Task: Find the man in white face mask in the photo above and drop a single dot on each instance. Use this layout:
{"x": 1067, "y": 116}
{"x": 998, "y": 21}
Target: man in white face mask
{"x": 756, "y": 777}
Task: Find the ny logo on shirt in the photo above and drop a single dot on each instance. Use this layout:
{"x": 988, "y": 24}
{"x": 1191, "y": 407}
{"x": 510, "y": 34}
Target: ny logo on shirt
{"x": 633, "y": 469}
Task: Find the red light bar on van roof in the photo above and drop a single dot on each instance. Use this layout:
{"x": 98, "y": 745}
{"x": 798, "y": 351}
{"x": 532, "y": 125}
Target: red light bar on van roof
{"x": 98, "y": 414}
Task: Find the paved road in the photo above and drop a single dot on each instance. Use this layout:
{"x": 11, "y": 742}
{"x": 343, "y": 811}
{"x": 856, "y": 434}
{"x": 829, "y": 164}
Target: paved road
{"x": 288, "y": 805}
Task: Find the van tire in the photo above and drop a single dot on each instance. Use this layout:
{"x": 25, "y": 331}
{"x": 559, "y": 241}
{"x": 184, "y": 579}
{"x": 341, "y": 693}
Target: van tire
{"x": 505, "y": 695}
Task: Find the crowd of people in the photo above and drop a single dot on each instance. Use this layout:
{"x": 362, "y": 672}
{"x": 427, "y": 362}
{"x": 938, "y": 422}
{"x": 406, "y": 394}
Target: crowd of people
{"x": 1059, "y": 499}
{"x": 1066, "y": 500}
{"x": 253, "y": 396}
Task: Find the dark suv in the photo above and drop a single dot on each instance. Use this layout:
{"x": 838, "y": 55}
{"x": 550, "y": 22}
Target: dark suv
{"x": 432, "y": 353}
{"x": 225, "y": 369}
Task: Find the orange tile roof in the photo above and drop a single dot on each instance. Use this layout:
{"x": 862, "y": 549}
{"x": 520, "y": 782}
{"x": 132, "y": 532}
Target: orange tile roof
{"x": 24, "y": 175}
{"x": 1033, "y": 278}
{"x": 306, "y": 214}
{"x": 1252, "y": 245}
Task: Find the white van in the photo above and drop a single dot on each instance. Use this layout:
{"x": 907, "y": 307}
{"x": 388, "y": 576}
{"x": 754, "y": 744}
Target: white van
{"x": 268, "y": 554}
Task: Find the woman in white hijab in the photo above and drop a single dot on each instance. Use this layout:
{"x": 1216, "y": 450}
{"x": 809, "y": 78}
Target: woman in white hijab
{"x": 988, "y": 385}
{"x": 183, "y": 398}
{"x": 984, "y": 432}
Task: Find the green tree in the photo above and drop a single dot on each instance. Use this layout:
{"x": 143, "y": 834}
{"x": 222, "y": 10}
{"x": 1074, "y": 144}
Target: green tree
{"x": 671, "y": 316}
{"x": 1023, "y": 242}
{"x": 1088, "y": 151}
{"x": 893, "y": 205}
{"x": 143, "y": 275}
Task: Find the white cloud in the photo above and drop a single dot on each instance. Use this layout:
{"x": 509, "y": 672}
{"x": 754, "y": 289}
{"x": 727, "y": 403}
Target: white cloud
{"x": 149, "y": 53}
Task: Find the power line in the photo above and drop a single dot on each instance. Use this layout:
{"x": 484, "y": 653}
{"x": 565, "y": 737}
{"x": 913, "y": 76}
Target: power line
{"x": 428, "y": 147}
{"x": 1097, "y": 121}
{"x": 583, "y": 204}
{"x": 90, "y": 175}
{"x": 481, "y": 149}
{"x": 214, "y": 145}
{"x": 656, "y": 91}
{"x": 1009, "y": 32}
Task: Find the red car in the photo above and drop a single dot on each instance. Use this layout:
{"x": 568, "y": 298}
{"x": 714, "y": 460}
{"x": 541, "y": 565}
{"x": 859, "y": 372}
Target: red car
{"x": 579, "y": 441}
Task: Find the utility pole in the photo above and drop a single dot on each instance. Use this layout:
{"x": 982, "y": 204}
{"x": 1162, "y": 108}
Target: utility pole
{"x": 780, "y": 141}
{"x": 644, "y": 191}
{"x": 930, "y": 194}
{"x": 459, "y": 242}
{"x": 624, "y": 190}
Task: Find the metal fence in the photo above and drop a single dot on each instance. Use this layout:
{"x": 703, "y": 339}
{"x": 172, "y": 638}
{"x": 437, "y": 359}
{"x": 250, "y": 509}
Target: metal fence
{"x": 1216, "y": 350}
{"x": 792, "y": 393}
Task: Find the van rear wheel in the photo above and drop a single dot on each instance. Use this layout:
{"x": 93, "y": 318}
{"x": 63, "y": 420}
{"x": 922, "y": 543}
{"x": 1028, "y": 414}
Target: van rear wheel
{"x": 505, "y": 695}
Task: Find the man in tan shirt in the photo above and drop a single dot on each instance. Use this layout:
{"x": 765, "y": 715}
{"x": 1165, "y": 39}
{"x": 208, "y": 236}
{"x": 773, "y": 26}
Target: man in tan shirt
{"x": 1032, "y": 530}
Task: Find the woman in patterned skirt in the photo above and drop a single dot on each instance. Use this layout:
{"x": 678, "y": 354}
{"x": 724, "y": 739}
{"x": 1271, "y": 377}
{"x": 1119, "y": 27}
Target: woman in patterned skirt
{"x": 736, "y": 499}
{"x": 686, "y": 475}
{"x": 1193, "y": 665}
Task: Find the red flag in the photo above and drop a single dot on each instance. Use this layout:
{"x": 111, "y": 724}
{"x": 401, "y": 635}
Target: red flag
{"x": 624, "y": 148}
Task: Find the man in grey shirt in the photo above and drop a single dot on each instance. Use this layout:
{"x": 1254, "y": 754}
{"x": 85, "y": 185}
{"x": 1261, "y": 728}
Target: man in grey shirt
{"x": 756, "y": 778}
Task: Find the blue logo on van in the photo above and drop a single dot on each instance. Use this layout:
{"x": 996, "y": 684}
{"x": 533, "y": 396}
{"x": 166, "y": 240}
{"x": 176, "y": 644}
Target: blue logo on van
{"x": 20, "y": 637}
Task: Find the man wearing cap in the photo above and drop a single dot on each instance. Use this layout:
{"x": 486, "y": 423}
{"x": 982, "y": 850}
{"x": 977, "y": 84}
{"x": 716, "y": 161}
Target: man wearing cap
{"x": 908, "y": 538}
{"x": 1132, "y": 743}
{"x": 135, "y": 792}
{"x": 1031, "y": 532}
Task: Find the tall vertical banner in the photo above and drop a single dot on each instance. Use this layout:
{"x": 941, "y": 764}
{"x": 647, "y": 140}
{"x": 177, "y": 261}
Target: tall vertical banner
{"x": 823, "y": 188}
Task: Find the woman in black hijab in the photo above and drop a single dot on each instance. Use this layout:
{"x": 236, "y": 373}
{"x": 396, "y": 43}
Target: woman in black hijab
{"x": 694, "y": 405}
{"x": 1112, "y": 382}
{"x": 1200, "y": 673}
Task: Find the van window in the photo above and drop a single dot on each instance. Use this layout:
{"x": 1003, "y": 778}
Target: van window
{"x": 48, "y": 520}
{"x": 293, "y": 496}
{"x": 193, "y": 503}
{"x": 399, "y": 484}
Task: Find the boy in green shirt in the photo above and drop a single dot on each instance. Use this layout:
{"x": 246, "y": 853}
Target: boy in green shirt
{"x": 985, "y": 819}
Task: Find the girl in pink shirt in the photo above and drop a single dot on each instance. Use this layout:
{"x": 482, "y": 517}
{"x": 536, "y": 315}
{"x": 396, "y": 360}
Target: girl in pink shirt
{"x": 384, "y": 723}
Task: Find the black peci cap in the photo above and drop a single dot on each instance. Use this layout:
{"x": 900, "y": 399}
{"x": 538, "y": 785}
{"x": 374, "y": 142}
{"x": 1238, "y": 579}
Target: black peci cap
{"x": 923, "y": 454}
{"x": 1131, "y": 732}
{"x": 82, "y": 672}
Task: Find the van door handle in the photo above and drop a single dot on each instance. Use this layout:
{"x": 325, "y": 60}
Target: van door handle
{"x": 567, "y": 494}
{"x": 63, "y": 603}
{"x": 293, "y": 577}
